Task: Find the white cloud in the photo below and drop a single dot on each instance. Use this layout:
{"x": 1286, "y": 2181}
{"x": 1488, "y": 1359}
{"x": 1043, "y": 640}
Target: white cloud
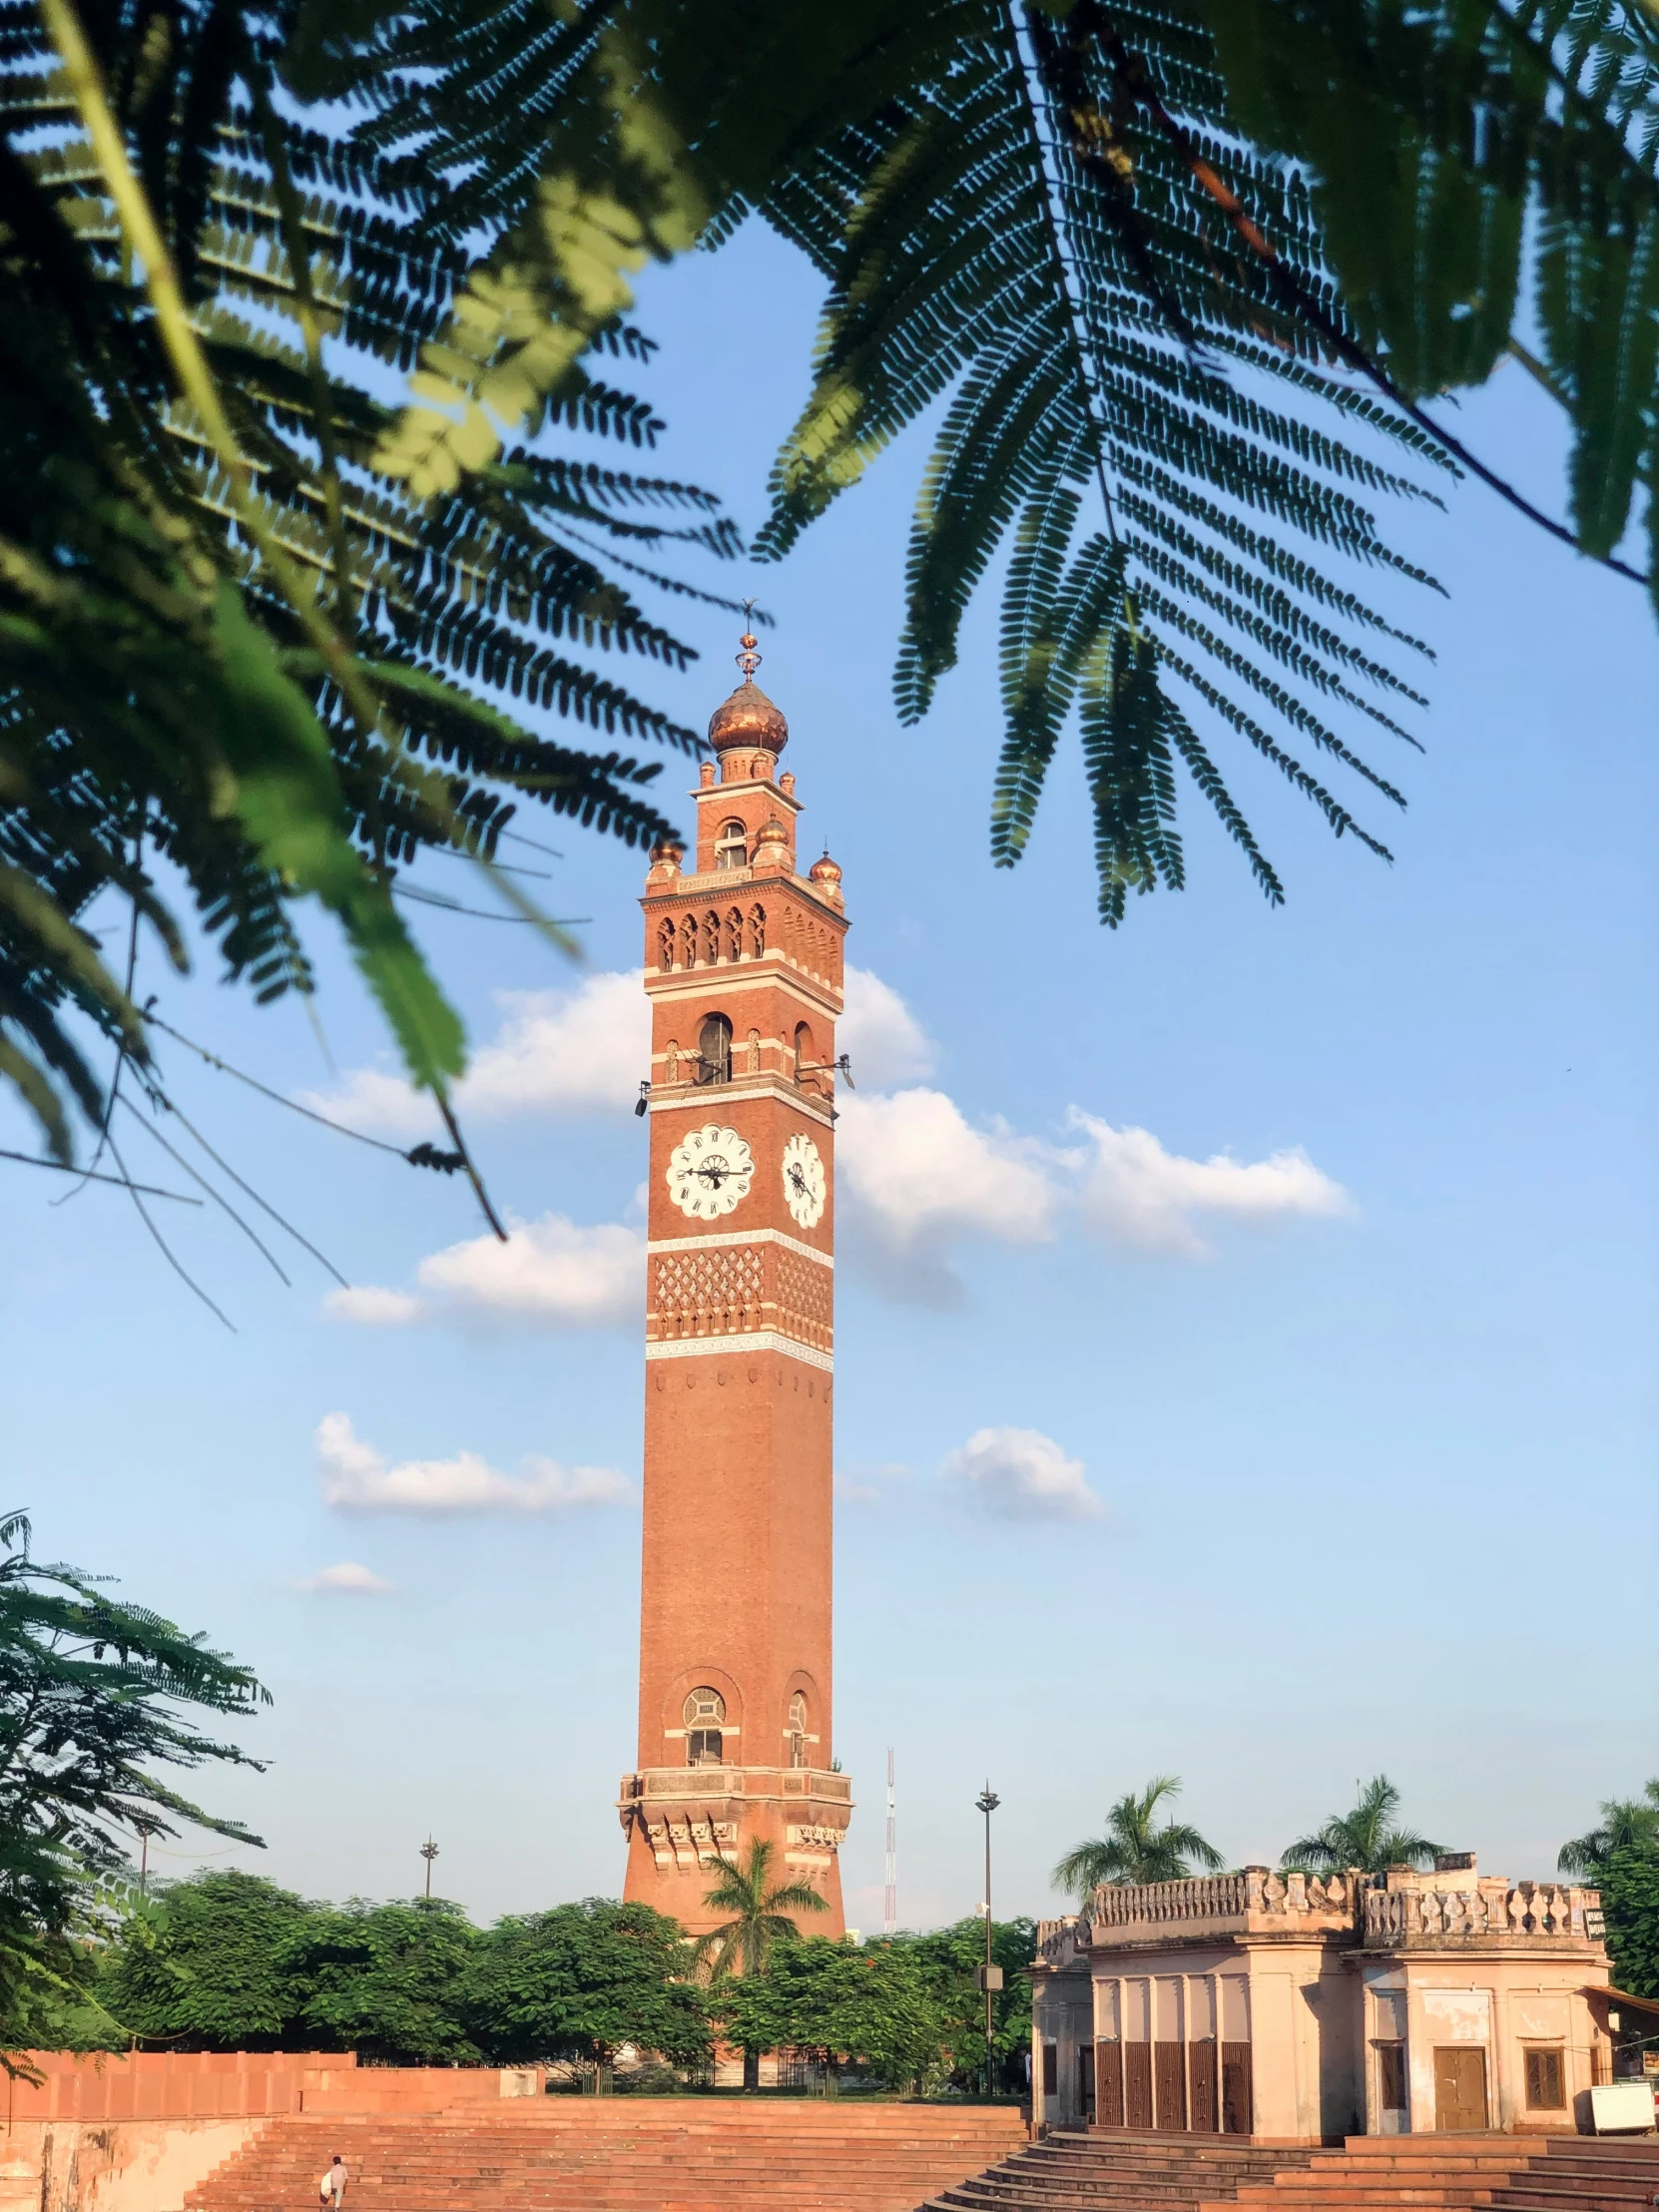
{"x": 373, "y": 1307}
{"x": 348, "y": 1576}
{"x": 357, "y": 1478}
{"x": 1021, "y": 1474}
{"x": 1132, "y": 1192}
{"x": 581, "y": 1051}
{"x": 549, "y": 1272}
{"x": 883, "y": 1039}
{"x": 920, "y": 1171}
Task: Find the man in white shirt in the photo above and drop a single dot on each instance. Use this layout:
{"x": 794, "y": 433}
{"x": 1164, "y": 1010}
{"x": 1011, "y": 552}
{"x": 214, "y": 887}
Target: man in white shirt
{"x": 331, "y": 2188}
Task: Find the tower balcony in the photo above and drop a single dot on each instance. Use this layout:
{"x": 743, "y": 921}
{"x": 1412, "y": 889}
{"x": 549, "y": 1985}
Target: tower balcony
{"x": 694, "y": 1816}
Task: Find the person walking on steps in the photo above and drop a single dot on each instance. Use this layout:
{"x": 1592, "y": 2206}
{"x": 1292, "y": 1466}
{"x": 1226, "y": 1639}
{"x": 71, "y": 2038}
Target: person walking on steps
{"x": 331, "y": 2188}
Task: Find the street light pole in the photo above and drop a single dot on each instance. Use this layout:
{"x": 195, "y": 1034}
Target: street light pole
{"x": 990, "y": 1977}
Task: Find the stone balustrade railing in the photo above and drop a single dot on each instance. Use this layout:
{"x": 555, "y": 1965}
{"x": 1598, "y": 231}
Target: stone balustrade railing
{"x": 1518, "y": 1909}
{"x": 1253, "y": 1891}
{"x": 1054, "y": 1936}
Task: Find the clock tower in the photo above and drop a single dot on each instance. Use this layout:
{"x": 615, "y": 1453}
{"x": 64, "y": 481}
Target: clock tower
{"x": 742, "y": 967}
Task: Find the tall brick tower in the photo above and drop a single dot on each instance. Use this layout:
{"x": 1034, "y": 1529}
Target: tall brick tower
{"x": 743, "y": 960}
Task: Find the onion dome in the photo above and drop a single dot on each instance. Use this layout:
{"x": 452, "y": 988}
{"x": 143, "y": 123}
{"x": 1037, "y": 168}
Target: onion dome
{"x": 825, "y": 875}
{"x": 748, "y": 716}
{"x": 667, "y": 856}
{"x": 772, "y": 846}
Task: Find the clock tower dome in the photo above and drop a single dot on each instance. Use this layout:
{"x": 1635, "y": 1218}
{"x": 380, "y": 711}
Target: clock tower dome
{"x": 742, "y": 967}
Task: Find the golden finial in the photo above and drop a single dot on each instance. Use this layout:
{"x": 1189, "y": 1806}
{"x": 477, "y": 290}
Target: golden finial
{"x": 747, "y": 658}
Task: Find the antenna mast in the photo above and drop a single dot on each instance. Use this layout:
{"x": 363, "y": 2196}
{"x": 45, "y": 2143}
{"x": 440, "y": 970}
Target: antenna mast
{"x": 890, "y": 1906}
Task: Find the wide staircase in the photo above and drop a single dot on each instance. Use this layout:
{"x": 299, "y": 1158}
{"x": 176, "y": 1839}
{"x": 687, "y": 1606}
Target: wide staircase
{"x": 1125, "y": 2172}
{"x": 624, "y": 2154}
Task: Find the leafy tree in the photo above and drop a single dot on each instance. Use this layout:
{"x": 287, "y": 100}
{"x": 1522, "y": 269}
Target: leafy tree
{"x": 388, "y": 1980}
{"x": 1134, "y": 1848}
{"x": 762, "y": 1915}
{"x": 206, "y": 1966}
{"x": 872, "y": 2003}
{"x": 234, "y": 653}
{"x": 1629, "y": 1881}
{"x": 95, "y": 1703}
{"x": 948, "y": 1957}
{"x": 1125, "y": 400}
{"x": 1367, "y": 1838}
{"x": 1626, "y": 1823}
{"x": 581, "y": 1980}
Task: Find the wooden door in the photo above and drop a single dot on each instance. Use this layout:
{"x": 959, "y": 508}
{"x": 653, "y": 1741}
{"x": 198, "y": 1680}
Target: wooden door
{"x": 1236, "y": 2115}
{"x": 1460, "y": 2088}
{"x": 1108, "y": 2084}
{"x": 1201, "y": 2087}
{"x": 1085, "y": 2082}
{"x": 1169, "y": 2070}
{"x": 1137, "y": 2085}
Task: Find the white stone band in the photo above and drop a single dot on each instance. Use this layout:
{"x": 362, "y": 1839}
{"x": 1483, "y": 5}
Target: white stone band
{"x": 759, "y": 1340}
{"x": 703, "y": 1098}
{"x": 728, "y": 1237}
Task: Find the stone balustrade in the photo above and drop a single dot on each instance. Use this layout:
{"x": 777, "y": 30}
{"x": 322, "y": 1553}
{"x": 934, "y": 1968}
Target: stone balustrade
{"x": 1252, "y": 1894}
{"x": 1509, "y": 1909}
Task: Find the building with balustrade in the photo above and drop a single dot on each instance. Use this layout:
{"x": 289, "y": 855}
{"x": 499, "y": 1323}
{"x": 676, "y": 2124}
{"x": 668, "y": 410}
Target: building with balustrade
{"x": 1296, "y": 2009}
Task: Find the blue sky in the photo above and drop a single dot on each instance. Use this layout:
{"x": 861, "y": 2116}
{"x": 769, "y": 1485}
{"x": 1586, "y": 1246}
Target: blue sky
{"x": 1333, "y": 1457}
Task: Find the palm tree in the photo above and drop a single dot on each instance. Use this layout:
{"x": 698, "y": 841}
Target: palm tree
{"x": 761, "y": 1914}
{"x": 1624, "y": 1821}
{"x": 1132, "y": 1849}
{"x": 1365, "y": 1837}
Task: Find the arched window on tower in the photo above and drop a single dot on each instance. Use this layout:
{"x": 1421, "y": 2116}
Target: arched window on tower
{"x": 757, "y": 931}
{"x": 688, "y": 942}
{"x": 710, "y": 939}
{"x": 730, "y": 846}
{"x": 715, "y": 1044}
{"x": 804, "y": 1056}
{"x": 733, "y": 934}
{"x": 665, "y": 945}
{"x": 704, "y": 1712}
{"x": 797, "y": 1729}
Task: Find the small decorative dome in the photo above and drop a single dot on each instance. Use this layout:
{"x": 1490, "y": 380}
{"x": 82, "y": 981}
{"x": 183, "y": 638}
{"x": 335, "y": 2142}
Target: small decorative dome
{"x": 772, "y": 846}
{"x": 668, "y": 856}
{"x": 824, "y": 870}
{"x": 748, "y": 716}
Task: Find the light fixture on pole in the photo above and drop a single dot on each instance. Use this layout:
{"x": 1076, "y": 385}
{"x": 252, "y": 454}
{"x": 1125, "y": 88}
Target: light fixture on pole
{"x": 989, "y": 1976}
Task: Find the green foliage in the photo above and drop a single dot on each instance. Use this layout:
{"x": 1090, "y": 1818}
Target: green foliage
{"x": 763, "y": 1913}
{"x": 231, "y": 651}
{"x": 1013, "y": 246}
{"x": 1471, "y": 163}
{"x": 581, "y": 1980}
{"x": 947, "y": 1958}
{"x": 1368, "y": 1837}
{"x": 1629, "y": 1880}
{"x": 387, "y": 1980}
{"x": 205, "y": 1964}
{"x": 876, "y": 2004}
{"x": 1624, "y": 1821}
{"x": 1134, "y": 1848}
{"x": 96, "y": 1699}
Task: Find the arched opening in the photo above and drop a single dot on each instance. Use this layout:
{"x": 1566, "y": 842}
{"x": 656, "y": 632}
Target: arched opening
{"x": 804, "y": 1056}
{"x": 757, "y": 931}
{"x": 665, "y": 945}
{"x": 734, "y": 935}
{"x": 704, "y": 1712}
{"x": 715, "y": 1045}
{"x": 730, "y": 846}
{"x": 797, "y": 1729}
{"x": 688, "y": 942}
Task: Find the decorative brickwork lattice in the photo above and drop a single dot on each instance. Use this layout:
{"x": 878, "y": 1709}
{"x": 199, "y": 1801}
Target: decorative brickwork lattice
{"x": 709, "y": 1294}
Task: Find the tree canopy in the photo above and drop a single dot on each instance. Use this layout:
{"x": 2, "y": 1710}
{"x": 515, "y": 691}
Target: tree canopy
{"x": 1369, "y": 1836}
{"x": 97, "y": 1699}
{"x": 1135, "y": 1848}
{"x": 582, "y": 1981}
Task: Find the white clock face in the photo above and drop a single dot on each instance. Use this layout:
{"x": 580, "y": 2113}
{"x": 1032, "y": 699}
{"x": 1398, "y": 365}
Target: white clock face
{"x": 803, "y": 1181}
{"x": 709, "y": 1171}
